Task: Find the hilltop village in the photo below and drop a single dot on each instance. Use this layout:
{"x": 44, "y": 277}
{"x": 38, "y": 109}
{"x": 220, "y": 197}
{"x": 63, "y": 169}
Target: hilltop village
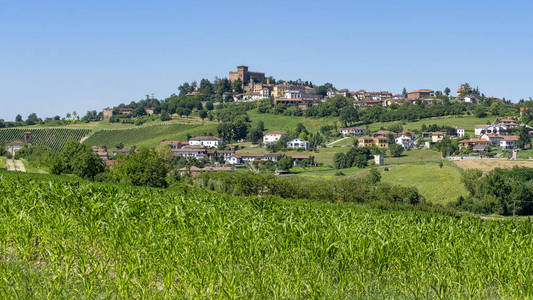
{"x": 298, "y": 98}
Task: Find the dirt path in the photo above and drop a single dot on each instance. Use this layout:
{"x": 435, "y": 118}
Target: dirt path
{"x": 332, "y": 143}
{"x": 10, "y": 165}
{"x": 15, "y": 165}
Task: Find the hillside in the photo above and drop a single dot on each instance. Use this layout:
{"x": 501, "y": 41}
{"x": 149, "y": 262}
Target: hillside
{"x": 148, "y": 136}
{"x": 55, "y": 138}
{"x": 68, "y": 238}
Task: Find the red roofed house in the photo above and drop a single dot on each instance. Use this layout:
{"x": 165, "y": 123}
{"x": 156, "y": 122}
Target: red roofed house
{"x": 419, "y": 94}
{"x": 509, "y": 142}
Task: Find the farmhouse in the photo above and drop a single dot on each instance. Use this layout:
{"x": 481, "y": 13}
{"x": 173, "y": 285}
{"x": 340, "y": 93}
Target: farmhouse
{"x": 101, "y": 152}
{"x": 405, "y": 140}
{"x": 419, "y": 94}
{"x": 125, "y": 110}
{"x": 493, "y": 138}
{"x": 473, "y": 142}
{"x": 378, "y": 141}
{"x": 480, "y": 130}
{"x": 457, "y": 131}
{"x": 298, "y": 144}
{"x": 352, "y": 131}
{"x": 206, "y": 141}
{"x": 191, "y": 151}
{"x": 273, "y": 136}
{"x": 508, "y": 123}
{"x": 437, "y": 136}
{"x": 509, "y": 142}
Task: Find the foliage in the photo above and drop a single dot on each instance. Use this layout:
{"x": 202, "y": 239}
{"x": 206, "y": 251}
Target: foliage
{"x": 395, "y": 150}
{"x": 501, "y": 191}
{"x": 145, "y": 168}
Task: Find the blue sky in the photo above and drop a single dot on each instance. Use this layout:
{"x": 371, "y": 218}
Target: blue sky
{"x": 63, "y": 56}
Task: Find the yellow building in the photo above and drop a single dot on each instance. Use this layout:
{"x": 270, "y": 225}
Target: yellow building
{"x": 368, "y": 141}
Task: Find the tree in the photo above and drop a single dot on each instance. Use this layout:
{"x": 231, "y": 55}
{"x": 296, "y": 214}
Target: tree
{"x": 523, "y": 137}
{"x": 480, "y": 112}
{"x": 202, "y": 114}
{"x": 340, "y": 161}
{"x": 206, "y": 88}
{"x": 285, "y": 163}
{"x": 404, "y": 92}
{"x": 349, "y": 115}
{"x": 395, "y": 150}
{"x": 80, "y": 160}
{"x": 237, "y": 86}
{"x": 447, "y": 91}
{"x": 18, "y": 118}
{"x": 32, "y": 119}
{"x": 145, "y": 168}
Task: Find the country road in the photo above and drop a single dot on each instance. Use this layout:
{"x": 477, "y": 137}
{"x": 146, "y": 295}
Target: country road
{"x": 15, "y": 165}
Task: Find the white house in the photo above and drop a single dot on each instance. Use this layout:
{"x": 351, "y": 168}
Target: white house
{"x": 298, "y": 144}
{"x": 480, "y": 130}
{"x": 206, "y": 141}
{"x": 406, "y": 141}
{"x": 459, "y": 131}
{"x": 509, "y": 142}
{"x": 494, "y": 139}
{"x": 273, "y": 136}
{"x": 470, "y": 99}
{"x": 352, "y": 131}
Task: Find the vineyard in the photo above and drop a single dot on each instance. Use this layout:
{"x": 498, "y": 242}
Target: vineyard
{"x": 67, "y": 238}
{"x": 55, "y": 138}
{"x": 146, "y": 136}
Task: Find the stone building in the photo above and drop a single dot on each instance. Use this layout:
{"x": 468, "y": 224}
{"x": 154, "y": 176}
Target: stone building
{"x": 244, "y": 75}
{"x": 108, "y": 113}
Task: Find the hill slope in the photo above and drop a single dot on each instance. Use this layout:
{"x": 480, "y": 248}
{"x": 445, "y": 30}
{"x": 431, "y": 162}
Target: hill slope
{"x": 67, "y": 238}
{"x": 55, "y": 138}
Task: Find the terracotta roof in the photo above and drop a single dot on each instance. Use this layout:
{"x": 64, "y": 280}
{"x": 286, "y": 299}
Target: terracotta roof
{"x": 301, "y": 156}
{"x": 422, "y": 91}
{"x": 511, "y": 138}
{"x": 205, "y": 138}
{"x": 481, "y": 126}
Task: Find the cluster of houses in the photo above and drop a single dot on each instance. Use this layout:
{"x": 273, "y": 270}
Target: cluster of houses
{"x": 204, "y": 147}
{"x": 305, "y": 96}
{"x": 486, "y": 136}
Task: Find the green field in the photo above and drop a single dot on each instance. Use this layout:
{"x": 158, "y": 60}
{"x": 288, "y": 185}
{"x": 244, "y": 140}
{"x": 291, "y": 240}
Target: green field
{"x": 288, "y": 123}
{"x": 3, "y": 162}
{"x": 65, "y": 238}
{"x": 437, "y": 185}
{"x": 467, "y": 122}
{"x": 418, "y": 168}
{"x": 55, "y": 138}
{"x": 147, "y": 136}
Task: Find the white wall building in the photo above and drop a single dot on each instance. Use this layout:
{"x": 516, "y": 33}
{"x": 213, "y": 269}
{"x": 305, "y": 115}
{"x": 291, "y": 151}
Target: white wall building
{"x": 406, "y": 141}
{"x": 206, "y": 141}
{"x": 352, "y": 131}
{"x": 298, "y": 144}
{"x": 273, "y": 136}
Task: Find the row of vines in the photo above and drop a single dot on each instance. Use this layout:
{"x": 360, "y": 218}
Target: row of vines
{"x": 54, "y": 138}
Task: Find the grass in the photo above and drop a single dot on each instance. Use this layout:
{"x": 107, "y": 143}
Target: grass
{"x": 467, "y": 122}
{"x": 147, "y": 136}
{"x": 437, "y": 185}
{"x": 65, "y": 238}
{"x": 490, "y": 164}
{"x": 3, "y": 162}
{"x": 288, "y": 123}
{"x": 418, "y": 168}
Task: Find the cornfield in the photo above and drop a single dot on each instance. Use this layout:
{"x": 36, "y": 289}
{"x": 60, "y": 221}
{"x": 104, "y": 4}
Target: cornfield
{"x": 68, "y": 238}
{"x": 55, "y": 138}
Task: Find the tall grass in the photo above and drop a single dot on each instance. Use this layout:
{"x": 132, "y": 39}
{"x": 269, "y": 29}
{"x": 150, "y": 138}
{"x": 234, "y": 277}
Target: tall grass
{"x": 62, "y": 238}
